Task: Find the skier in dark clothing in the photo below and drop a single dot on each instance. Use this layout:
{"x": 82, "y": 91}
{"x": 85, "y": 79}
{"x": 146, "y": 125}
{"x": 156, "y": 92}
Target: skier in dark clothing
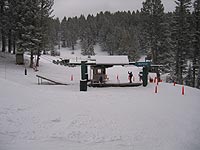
{"x": 140, "y": 76}
{"x": 101, "y": 79}
{"x": 130, "y": 75}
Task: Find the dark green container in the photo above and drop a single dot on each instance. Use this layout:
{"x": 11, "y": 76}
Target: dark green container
{"x": 83, "y": 85}
{"x": 145, "y": 76}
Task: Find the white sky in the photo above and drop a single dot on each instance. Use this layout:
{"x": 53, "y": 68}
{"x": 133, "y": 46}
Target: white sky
{"x": 71, "y": 8}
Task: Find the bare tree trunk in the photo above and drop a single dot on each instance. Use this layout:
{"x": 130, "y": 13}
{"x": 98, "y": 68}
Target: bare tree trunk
{"x": 180, "y": 75}
{"x": 198, "y": 79}
{"x": 31, "y": 59}
{"x": 3, "y": 41}
{"x": 14, "y": 44}
{"x": 177, "y": 73}
{"x": 10, "y": 41}
{"x": 72, "y": 46}
{"x": 194, "y": 72}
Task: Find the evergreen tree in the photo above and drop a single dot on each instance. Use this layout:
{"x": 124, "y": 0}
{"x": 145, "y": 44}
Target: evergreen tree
{"x": 87, "y": 34}
{"x": 196, "y": 42}
{"x": 198, "y": 79}
{"x": 124, "y": 43}
{"x": 64, "y": 32}
{"x": 166, "y": 53}
{"x": 15, "y": 24}
{"x": 106, "y": 27}
{"x": 134, "y": 49}
{"x": 72, "y": 32}
{"x": 44, "y": 12}
{"x": 11, "y": 25}
{"x": 87, "y": 48}
{"x": 53, "y": 35}
{"x": 90, "y": 50}
{"x": 153, "y": 13}
{"x": 84, "y": 47}
{"x": 111, "y": 43}
{"x": 91, "y": 22}
{"x": 55, "y": 30}
{"x": 188, "y": 79}
{"x": 29, "y": 39}
{"x": 180, "y": 37}
{"x": 82, "y": 23}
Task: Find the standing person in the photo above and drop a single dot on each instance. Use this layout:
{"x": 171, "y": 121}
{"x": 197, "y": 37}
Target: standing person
{"x": 158, "y": 76}
{"x": 101, "y": 79}
{"x": 140, "y": 76}
{"x": 130, "y": 75}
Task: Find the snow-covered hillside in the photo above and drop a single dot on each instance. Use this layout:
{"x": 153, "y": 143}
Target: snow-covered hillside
{"x": 39, "y": 117}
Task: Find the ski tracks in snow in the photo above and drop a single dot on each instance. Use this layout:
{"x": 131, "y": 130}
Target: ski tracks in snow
{"x": 86, "y": 129}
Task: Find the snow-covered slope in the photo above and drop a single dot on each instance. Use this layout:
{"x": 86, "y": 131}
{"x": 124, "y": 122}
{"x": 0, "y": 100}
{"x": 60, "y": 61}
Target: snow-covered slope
{"x": 39, "y": 117}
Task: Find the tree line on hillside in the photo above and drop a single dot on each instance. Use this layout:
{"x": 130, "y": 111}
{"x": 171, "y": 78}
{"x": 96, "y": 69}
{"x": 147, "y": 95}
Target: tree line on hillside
{"x": 171, "y": 39}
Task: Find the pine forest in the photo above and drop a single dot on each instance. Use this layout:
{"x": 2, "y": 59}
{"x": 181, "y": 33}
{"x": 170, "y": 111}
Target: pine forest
{"x": 171, "y": 39}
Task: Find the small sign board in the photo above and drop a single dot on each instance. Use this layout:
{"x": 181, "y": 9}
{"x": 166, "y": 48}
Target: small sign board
{"x": 142, "y": 64}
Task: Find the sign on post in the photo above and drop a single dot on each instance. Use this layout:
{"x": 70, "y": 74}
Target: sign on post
{"x": 142, "y": 64}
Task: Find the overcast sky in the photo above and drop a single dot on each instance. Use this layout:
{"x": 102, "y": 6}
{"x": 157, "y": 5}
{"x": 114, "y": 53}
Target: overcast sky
{"x": 71, "y": 8}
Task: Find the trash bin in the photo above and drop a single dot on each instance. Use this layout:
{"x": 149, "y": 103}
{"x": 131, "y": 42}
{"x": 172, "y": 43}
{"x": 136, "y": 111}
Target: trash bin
{"x": 83, "y": 85}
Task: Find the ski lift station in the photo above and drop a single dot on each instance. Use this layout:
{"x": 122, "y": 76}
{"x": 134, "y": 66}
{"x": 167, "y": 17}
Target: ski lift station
{"x": 94, "y": 71}
{"x": 98, "y": 71}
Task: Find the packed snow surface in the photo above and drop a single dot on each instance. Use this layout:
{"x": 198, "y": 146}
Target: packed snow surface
{"x": 39, "y": 117}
